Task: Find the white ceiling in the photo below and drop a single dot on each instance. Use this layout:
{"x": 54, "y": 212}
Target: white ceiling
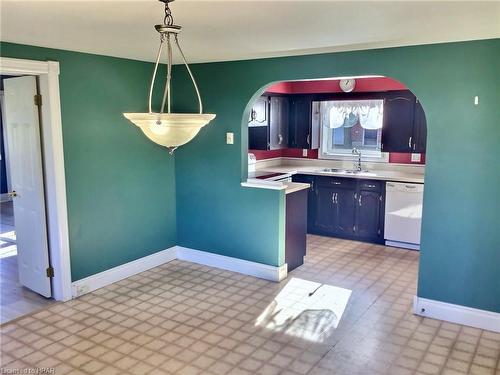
{"x": 239, "y": 29}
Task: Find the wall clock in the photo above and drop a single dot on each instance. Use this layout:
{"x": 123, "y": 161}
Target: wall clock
{"x": 347, "y": 85}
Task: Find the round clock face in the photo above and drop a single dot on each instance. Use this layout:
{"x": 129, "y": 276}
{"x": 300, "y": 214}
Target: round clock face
{"x": 347, "y": 85}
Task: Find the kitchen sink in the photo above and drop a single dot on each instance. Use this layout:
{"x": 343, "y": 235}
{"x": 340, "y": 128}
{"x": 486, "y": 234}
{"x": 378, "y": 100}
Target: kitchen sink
{"x": 355, "y": 171}
{"x": 332, "y": 170}
{"x": 343, "y": 171}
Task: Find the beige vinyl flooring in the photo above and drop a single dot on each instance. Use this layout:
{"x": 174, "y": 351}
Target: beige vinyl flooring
{"x": 347, "y": 310}
{"x": 15, "y": 300}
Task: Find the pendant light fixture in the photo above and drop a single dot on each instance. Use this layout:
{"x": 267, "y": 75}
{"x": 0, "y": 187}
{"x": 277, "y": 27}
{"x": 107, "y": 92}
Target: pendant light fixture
{"x": 170, "y": 129}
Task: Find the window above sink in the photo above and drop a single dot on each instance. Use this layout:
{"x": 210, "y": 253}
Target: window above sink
{"x": 350, "y": 124}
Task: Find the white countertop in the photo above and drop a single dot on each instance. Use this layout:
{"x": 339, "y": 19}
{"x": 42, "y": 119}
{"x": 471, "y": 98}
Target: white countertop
{"x": 292, "y": 187}
{"x": 378, "y": 174}
{"x": 288, "y": 187}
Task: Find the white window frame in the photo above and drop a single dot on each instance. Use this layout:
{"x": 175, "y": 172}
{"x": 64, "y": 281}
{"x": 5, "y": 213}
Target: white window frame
{"x": 366, "y": 155}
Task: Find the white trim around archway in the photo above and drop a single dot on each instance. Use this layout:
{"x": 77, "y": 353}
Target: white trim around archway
{"x": 55, "y": 180}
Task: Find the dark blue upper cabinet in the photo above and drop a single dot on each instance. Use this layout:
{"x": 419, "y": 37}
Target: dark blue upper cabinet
{"x": 419, "y": 129}
{"x": 259, "y": 114}
{"x": 405, "y": 127}
{"x": 268, "y": 125}
{"x": 258, "y": 125}
{"x": 278, "y": 122}
{"x": 397, "y": 131}
{"x": 303, "y": 131}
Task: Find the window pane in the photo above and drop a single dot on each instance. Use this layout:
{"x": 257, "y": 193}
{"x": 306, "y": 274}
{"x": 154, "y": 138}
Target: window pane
{"x": 348, "y": 124}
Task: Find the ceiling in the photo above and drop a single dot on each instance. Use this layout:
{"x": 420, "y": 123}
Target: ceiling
{"x": 239, "y": 29}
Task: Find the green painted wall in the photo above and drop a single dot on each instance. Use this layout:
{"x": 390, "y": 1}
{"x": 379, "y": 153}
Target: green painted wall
{"x": 125, "y": 197}
{"x": 120, "y": 186}
{"x": 460, "y": 257}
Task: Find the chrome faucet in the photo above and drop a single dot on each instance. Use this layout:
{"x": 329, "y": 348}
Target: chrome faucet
{"x": 357, "y": 166}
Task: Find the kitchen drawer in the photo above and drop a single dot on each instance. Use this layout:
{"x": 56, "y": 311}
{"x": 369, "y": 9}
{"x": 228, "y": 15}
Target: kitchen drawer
{"x": 371, "y": 185}
{"x": 338, "y": 182}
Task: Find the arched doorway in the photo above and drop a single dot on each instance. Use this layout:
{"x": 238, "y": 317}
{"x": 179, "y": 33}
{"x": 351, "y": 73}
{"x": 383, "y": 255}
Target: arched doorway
{"x": 367, "y": 130}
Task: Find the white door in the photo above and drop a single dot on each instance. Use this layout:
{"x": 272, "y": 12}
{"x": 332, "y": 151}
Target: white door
{"x": 25, "y": 159}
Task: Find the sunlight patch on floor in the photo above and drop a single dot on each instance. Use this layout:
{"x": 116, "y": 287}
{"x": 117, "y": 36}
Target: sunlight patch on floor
{"x": 305, "y": 309}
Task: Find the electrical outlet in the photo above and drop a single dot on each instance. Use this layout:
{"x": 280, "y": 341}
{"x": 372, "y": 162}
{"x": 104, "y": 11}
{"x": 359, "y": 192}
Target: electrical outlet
{"x": 82, "y": 289}
{"x": 415, "y": 158}
{"x": 304, "y": 152}
{"x": 229, "y": 138}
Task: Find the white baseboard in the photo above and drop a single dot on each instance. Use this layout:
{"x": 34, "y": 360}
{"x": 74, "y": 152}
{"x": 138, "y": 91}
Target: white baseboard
{"x": 457, "y": 314}
{"x": 404, "y": 245}
{"x": 262, "y": 271}
{"x": 102, "y": 279}
{"x": 115, "y": 274}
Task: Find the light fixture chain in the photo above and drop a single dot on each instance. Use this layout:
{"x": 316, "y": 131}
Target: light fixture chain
{"x": 168, "y": 19}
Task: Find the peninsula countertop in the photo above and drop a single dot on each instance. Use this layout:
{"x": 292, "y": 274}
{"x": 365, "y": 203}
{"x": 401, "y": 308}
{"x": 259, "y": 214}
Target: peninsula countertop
{"x": 375, "y": 174}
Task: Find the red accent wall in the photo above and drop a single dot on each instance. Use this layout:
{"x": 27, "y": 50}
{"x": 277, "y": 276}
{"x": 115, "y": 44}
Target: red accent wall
{"x": 371, "y": 84}
{"x": 286, "y": 152}
{"x": 394, "y": 157}
{"x": 404, "y": 158}
{"x": 332, "y": 86}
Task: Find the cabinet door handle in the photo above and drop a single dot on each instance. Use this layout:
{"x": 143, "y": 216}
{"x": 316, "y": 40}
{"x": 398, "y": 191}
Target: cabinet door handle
{"x": 309, "y": 139}
{"x": 333, "y": 198}
{"x": 359, "y": 200}
{"x": 370, "y": 185}
{"x": 280, "y": 139}
{"x": 336, "y": 183}
{"x": 409, "y": 142}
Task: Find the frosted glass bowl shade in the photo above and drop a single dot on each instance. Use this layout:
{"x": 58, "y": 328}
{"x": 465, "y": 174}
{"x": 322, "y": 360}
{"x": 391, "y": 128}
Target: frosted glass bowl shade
{"x": 170, "y": 129}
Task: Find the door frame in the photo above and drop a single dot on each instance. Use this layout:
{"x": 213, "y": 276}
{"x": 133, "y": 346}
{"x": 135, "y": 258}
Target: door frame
{"x": 54, "y": 174}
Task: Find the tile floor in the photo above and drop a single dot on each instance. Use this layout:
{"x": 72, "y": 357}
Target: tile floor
{"x": 183, "y": 318}
{"x": 15, "y": 300}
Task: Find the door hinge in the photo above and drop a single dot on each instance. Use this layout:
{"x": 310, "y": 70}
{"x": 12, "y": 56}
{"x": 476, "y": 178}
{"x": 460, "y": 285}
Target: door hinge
{"x": 38, "y": 100}
{"x": 50, "y": 272}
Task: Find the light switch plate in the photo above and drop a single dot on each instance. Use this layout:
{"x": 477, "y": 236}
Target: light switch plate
{"x": 415, "y": 158}
{"x": 230, "y": 138}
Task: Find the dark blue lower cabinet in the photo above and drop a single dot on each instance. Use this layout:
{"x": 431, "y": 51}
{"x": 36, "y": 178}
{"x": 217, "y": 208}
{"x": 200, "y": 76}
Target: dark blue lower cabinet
{"x": 296, "y": 229}
{"x": 369, "y": 216}
{"x": 345, "y": 212}
{"x": 353, "y": 209}
{"x": 311, "y": 198}
{"x": 325, "y": 215}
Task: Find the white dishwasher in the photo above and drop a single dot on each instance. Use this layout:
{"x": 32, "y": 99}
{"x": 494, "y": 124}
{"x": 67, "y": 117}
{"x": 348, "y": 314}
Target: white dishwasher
{"x": 403, "y": 214}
